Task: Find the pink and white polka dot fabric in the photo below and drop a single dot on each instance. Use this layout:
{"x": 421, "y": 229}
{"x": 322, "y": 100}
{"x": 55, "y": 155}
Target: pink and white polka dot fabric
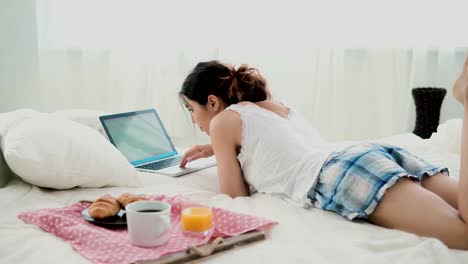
{"x": 101, "y": 245}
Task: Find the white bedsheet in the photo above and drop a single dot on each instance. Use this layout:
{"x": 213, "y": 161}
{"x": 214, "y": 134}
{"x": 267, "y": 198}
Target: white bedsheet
{"x": 302, "y": 236}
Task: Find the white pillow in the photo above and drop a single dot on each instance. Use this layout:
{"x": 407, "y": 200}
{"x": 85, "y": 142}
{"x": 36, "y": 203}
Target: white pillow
{"x": 4, "y": 170}
{"x": 86, "y": 117}
{"x": 448, "y": 136}
{"x": 6, "y": 121}
{"x": 57, "y": 153}
{"x": 10, "y": 118}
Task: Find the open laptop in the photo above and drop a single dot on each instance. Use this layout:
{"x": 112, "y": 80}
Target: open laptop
{"x": 143, "y": 140}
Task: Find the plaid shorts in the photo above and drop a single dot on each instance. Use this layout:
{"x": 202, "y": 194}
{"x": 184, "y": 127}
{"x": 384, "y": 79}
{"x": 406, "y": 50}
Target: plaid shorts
{"x": 353, "y": 181}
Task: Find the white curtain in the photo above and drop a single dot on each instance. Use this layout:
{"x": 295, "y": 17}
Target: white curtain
{"x": 438, "y": 68}
{"x": 118, "y": 56}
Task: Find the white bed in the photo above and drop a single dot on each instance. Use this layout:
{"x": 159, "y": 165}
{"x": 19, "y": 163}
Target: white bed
{"x": 302, "y": 235}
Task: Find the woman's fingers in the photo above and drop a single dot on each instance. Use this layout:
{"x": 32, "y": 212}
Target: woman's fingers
{"x": 191, "y": 155}
{"x": 188, "y": 154}
{"x": 195, "y": 153}
{"x": 184, "y": 161}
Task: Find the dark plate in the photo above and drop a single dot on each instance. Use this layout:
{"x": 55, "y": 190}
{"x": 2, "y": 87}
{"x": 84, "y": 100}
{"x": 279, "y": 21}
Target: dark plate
{"x": 118, "y": 220}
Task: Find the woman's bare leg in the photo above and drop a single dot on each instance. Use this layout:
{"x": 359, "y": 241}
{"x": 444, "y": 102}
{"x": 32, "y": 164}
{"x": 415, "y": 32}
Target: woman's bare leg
{"x": 458, "y": 90}
{"x": 444, "y": 186}
{"x": 461, "y": 87}
{"x": 460, "y": 93}
{"x": 409, "y": 207}
{"x": 440, "y": 184}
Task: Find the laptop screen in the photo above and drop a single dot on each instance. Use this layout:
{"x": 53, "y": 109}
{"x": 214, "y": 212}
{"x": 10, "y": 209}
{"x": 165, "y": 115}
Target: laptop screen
{"x": 140, "y": 136}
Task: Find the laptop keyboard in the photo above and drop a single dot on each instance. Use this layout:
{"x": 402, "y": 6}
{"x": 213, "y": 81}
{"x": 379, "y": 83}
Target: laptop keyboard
{"x": 161, "y": 164}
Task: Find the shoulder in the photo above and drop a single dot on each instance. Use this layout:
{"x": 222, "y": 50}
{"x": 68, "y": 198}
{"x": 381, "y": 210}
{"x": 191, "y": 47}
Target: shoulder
{"x": 227, "y": 125}
{"x": 276, "y": 107}
{"x": 272, "y": 104}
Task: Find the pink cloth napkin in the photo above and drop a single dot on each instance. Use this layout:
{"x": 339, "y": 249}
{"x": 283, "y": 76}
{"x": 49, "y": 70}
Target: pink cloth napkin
{"x": 101, "y": 245}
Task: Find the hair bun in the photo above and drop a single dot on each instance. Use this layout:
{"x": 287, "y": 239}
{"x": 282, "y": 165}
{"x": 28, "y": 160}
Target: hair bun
{"x": 243, "y": 71}
{"x": 247, "y": 85}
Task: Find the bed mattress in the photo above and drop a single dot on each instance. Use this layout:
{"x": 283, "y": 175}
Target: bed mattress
{"x": 302, "y": 235}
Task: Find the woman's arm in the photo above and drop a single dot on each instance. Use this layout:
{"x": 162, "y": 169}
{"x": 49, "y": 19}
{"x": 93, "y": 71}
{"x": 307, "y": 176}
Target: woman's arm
{"x": 226, "y": 137}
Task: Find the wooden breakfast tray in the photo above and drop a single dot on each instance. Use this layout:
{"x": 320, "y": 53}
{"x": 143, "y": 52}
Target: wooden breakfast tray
{"x": 216, "y": 246}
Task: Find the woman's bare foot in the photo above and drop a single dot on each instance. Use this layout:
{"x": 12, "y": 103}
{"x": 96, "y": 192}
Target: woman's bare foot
{"x": 461, "y": 84}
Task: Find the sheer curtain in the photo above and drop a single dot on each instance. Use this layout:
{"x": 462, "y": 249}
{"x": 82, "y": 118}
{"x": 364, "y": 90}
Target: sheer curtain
{"x": 119, "y": 56}
{"x": 438, "y": 68}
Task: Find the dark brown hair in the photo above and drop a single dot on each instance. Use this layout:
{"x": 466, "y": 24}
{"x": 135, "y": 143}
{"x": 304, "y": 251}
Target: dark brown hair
{"x": 228, "y": 83}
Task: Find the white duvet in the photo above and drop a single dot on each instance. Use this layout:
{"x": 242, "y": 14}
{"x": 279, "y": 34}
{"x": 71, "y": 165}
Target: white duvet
{"x": 302, "y": 236}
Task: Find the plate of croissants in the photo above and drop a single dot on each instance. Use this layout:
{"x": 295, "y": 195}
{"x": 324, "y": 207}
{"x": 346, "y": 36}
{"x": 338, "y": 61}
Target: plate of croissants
{"x": 109, "y": 211}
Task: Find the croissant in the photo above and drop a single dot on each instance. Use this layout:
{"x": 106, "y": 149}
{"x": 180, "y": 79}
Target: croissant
{"x": 104, "y": 206}
{"x": 127, "y": 198}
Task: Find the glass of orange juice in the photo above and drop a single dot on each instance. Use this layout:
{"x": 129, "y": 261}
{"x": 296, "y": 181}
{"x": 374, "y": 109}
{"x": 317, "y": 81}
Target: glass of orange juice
{"x": 196, "y": 221}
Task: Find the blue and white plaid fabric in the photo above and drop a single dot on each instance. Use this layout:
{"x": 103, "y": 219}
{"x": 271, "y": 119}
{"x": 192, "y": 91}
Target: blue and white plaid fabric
{"x": 353, "y": 181}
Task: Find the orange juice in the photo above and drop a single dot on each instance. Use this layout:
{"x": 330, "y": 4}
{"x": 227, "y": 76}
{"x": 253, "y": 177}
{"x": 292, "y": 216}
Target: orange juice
{"x": 196, "y": 219}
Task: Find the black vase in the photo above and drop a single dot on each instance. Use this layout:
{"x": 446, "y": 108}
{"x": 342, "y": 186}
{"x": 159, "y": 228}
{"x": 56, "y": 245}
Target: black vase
{"x": 428, "y": 101}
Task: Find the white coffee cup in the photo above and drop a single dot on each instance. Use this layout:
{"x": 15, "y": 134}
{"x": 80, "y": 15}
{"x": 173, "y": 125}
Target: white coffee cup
{"x": 148, "y": 223}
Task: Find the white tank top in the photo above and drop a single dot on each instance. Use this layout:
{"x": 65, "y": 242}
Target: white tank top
{"x": 280, "y": 156}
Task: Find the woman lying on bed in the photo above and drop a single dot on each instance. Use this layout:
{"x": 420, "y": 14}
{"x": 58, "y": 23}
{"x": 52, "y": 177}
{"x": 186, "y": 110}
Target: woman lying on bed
{"x": 263, "y": 145}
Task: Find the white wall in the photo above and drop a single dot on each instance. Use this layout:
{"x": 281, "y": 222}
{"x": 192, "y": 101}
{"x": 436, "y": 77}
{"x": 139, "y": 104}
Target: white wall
{"x": 81, "y": 79}
{"x": 18, "y": 61}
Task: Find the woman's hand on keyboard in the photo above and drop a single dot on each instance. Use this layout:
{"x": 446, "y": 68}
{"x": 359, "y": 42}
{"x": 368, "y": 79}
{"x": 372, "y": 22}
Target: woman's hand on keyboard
{"x": 196, "y": 152}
